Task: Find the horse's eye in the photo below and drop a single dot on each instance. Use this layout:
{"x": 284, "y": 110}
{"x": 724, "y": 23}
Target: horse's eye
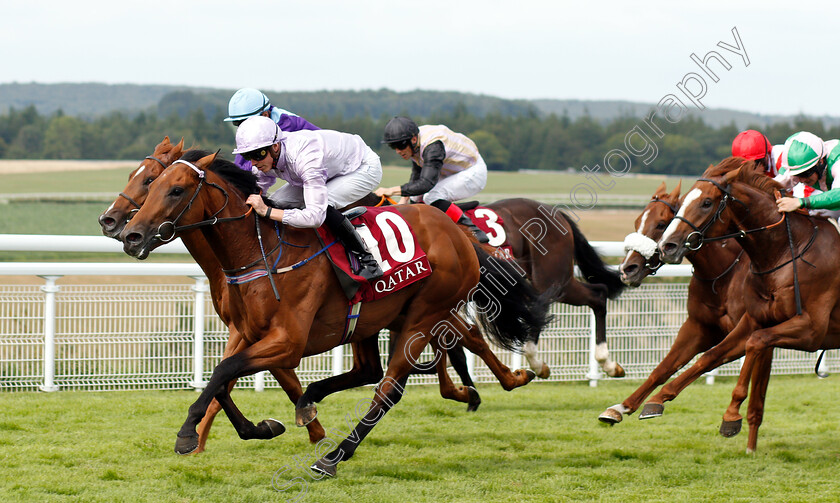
{"x": 661, "y": 225}
{"x": 707, "y": 203}
{"x": 176, "y": 191}
{"x": 148, "y": 180}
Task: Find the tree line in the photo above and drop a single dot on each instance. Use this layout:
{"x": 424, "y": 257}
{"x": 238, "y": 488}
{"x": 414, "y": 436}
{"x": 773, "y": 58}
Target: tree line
{"x": 508, "y": 139}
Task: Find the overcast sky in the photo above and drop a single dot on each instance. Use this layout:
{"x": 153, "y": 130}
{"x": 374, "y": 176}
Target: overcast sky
{"x": 511, "y": 49}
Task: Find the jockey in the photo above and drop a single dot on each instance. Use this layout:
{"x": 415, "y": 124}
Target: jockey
{"x": 754, "y": 146}
{"x": 812, "y": 165}
{"x": 445, "y": 167}
{"x": 324, "y": 169}
{"x": 248, "y": 102}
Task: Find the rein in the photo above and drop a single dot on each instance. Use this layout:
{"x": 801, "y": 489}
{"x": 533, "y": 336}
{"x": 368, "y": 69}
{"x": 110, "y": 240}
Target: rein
{"x": 721, "y": 206}
{"x": 132, "y": 201}
{"x": 383, "y": 200}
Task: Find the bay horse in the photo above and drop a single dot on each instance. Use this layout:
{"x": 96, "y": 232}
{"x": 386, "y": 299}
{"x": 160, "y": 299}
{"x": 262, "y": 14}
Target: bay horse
{"x": 366, "y": 369}
{"x": 546, "y": 244}
{"x": 715, "y": 304}
{"x": 792, "y": 294}
{"x": 309, "y": 316}
{"x": 113, "y": 221}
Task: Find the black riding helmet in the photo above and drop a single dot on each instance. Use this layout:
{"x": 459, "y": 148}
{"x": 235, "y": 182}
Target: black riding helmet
{"x": 399, "y": 131}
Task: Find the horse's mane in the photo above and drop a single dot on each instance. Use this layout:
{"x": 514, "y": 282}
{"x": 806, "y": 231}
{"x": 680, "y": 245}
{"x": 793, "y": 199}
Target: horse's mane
{"x": 242, "y": 180}
{"x": 749, "y": 175}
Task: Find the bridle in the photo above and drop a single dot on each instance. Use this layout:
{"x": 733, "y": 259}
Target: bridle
{"x": 213, "y": 220}
{"x": 132, "y": 201}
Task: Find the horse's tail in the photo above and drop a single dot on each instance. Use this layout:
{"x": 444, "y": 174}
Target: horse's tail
{"x": 508, "y": 309}
{"x": 591, "y": 265}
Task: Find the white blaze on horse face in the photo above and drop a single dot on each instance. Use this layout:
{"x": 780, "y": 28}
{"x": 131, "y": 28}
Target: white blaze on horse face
{"x": 692, "y": 196}
{"x": 139, "y": 170}
{"x": 643, "y": 221}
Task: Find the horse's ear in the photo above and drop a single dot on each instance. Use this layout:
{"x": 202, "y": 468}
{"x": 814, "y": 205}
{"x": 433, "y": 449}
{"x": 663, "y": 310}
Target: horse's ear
{"x": 731, "y": 175}
{"x": 675, "y": 194}
{"x": 206, "y": 160}
{"x": 165, "y": 141}
{"x": 660, "y": 190}
{"x": 180, "y": 145}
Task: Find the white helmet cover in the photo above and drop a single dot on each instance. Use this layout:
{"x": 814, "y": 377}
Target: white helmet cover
{"x": 257, "y": 132}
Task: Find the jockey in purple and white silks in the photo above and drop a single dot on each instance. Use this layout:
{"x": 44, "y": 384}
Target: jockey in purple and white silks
{"x": 249, "y": 102}
{"x": 324, "y": 170}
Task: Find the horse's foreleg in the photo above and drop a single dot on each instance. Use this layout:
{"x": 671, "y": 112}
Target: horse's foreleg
{"x": 234, "y": 344}
{"x": 692, "y": 339}
{"x": 595, "y": 297}
{"x": 795, "y": 333}
{"x": 367, "y": 369}
{"x": 729, "y": 349}
{"x": 267, "y": 353}
{"x": 207, "y": 421}
{"x": 755, "y": 408}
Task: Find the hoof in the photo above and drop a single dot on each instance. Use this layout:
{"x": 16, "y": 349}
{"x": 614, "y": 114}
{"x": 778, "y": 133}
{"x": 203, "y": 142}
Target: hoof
{"x": 530, "y": 374}
{"x": 618, "y": 371}
{"x": 545, "y": 371}
{"x": 652, "y": 410}
{"x": 186, "y": 445}
{"x": 610, "y": 417}
{"x": 324, "y": 468}
{"x": 730, "y": 428}
{"x": 275, "y": 427}
{"x": 475, "y": 399}
{"x": 305, "y": 415}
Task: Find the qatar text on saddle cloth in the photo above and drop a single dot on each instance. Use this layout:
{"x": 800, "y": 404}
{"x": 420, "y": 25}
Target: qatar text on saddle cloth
{"x": 391, "y": 241}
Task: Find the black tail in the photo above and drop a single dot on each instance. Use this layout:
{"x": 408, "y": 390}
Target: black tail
{"x": 591, "y": 265}
{"x": 509, "y": 309}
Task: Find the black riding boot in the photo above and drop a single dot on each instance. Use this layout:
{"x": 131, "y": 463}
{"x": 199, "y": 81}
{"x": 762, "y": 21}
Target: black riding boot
{"x": 469, "y": 224}
{"x": 346, "y": 233}
{"x": 453, "y": 211}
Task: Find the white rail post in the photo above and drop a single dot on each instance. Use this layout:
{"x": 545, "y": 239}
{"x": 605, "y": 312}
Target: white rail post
{"x": 259, "y": 381}
{"x": 200, "y": 288}
{"x": 516, "y": 359}
{"x": 338, "y": 360}
{"x": 594, "y": 369}
{"x": 710, "y": 376}
{"x": 49, "y": 289}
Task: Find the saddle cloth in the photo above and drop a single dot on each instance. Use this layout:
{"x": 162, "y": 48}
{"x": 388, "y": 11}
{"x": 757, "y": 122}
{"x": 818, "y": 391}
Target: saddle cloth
{"x": 492, "y": 224}
{"x": 392, "y": 242}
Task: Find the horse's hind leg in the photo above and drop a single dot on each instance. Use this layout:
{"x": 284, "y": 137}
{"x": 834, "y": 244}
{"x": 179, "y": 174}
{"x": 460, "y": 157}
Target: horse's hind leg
{"x": 595, "y": 297}
{"x": 290, "y": 383}
{"x": 474, "y": 341}
{"x": 367, "y": 369}
{"x": 529, "y": 349}
{"x": 758, "y": 391}
{"x": 464, "y": 394}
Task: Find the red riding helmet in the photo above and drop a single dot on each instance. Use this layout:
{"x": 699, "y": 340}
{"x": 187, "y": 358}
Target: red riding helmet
{"x": 751, "y": 145}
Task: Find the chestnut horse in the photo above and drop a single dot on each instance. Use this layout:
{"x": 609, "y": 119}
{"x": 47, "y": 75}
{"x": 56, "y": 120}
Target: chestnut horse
{"x": 367, "y": 368}
{"x": 113, "y": 221}
{"x": 715, "y": 305}
{"x": 310, "y": 316}
{"x": 792, "y": 294}
{"x": 547, "y": 244}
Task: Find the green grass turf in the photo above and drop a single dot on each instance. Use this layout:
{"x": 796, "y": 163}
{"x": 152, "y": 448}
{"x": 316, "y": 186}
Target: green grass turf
{"x": 540, "y": 443}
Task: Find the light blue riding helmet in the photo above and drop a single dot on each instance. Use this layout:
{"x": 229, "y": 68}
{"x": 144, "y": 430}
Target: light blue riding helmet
{"x": 246, "y": 102}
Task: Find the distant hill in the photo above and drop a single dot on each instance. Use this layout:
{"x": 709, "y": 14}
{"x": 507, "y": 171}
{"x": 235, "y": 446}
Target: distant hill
{"x": 89, "y": 100}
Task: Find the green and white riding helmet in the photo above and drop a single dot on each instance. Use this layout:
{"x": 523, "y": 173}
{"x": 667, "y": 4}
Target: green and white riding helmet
{"x": 802, "y": 151}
